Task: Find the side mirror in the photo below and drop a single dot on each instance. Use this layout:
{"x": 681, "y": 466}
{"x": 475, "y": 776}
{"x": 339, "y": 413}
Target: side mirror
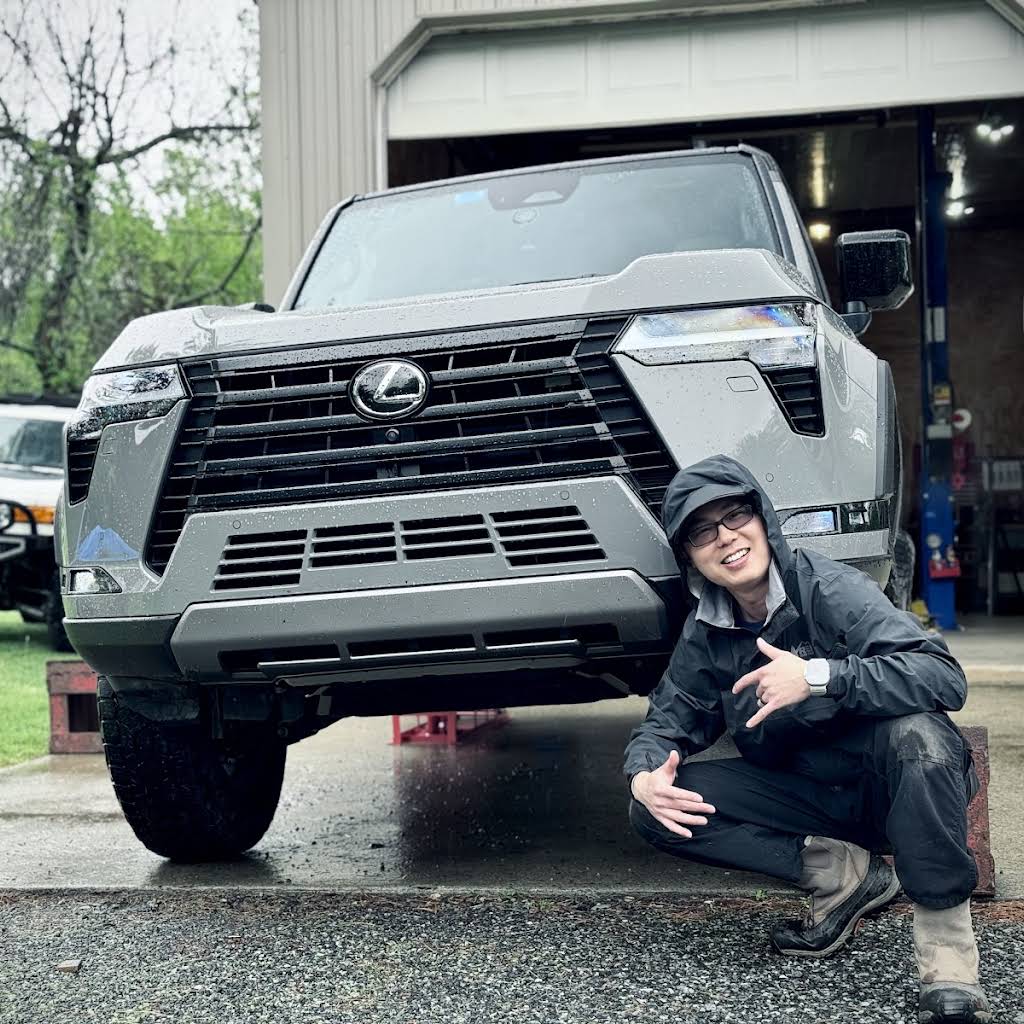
{"x": 874, "y": 270}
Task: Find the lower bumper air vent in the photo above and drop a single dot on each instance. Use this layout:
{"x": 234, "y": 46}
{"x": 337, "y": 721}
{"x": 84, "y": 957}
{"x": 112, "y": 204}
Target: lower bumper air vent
{"x": 261, "y": 560}
{"x": 449, "y": 537}
{"x": 365, "y": 544}
{"x": 546, "y": 536}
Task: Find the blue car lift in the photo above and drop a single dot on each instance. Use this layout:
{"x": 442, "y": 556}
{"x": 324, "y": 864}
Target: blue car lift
{"x": 939, "y": 566}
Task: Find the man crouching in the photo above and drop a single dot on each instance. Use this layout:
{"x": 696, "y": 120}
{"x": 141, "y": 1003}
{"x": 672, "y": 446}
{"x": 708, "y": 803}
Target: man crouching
{"x": 837, "y": 703}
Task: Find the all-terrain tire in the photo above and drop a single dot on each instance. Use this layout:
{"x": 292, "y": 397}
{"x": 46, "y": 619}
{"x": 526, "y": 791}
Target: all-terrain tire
{"x": 900, "y": 587}
{"x": 186, "y": 796}
{"x": 53, "y": 615}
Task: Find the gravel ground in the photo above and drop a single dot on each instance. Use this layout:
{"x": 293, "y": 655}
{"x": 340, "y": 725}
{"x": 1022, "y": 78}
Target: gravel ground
{"x": 229, "y": 957}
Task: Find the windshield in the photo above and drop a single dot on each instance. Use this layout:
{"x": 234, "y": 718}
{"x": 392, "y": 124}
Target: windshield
{"x": 31, "y": 442}
{"x": 537, "y": 226}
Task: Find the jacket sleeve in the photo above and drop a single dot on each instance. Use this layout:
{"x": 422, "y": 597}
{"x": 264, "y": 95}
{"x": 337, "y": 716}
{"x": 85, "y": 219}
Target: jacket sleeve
{"x": 894, "y": 667}
{"x": 685, "y": 713}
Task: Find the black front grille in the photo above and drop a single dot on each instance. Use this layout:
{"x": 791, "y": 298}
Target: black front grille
{"x": 798, "y": 392}
{"x": 541, "y": 403}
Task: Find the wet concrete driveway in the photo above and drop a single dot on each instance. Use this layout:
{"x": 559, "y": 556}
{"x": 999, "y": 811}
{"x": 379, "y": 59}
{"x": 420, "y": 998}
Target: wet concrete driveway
{"x": 538, "y": 804}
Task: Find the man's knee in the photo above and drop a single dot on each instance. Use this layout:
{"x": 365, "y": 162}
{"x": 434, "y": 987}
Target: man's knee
{"x": 928, "y": 737}
{"x": 652, "y": 831}
{"x": 646, "y": 825}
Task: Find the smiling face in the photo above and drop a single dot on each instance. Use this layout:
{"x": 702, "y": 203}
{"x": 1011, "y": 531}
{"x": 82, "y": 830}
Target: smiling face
{"x": 737, "y": 559}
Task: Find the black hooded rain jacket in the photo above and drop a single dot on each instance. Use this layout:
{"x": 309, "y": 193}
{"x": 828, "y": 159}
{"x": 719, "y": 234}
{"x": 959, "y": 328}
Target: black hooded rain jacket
{"x": 883, "y": 664}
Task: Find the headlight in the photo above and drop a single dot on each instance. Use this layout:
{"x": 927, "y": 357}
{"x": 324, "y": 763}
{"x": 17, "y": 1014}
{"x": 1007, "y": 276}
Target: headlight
{"x": 125, "y": 395}
{"x": 6, "y": 515}
{"x": 770, "y": 336}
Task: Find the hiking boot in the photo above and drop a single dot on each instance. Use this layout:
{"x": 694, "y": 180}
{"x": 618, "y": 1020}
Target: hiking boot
{"x": 846, "y": 882}
{"x": 947, "y": 962}
{"x": 947, "y": 1003}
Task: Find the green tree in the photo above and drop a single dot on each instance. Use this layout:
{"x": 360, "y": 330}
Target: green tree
{"x": 85, "y": 244}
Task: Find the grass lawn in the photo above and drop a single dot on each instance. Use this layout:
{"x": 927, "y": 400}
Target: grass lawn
{"x": 24, "y": 708}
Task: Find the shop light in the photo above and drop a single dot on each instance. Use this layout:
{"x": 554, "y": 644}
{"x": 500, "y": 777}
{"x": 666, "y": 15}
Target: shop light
{"x": 819, "y": 230}
{"x": 993, "y": 132}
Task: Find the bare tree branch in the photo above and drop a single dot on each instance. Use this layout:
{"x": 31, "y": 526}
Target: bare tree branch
{"x": 185, "y": 133}
{"x": 200, "y": 297}
{"x": 16, "y": 347}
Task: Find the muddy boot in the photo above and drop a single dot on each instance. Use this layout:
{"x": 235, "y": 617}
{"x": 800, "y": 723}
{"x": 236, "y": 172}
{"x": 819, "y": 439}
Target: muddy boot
{"x": 845, "y": 883}
{"x": 947, "y": 961}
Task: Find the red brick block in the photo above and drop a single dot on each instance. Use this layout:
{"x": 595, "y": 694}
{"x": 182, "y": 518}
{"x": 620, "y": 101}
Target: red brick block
{"x": 74, "y": 723}
{"x": 977, "y": 814}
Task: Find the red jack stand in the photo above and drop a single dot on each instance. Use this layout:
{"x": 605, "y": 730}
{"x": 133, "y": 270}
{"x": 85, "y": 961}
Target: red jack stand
{"x": 445, "y": 726}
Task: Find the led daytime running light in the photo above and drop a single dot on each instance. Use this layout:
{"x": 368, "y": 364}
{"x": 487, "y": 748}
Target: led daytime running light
{"x": 771, "y": 335}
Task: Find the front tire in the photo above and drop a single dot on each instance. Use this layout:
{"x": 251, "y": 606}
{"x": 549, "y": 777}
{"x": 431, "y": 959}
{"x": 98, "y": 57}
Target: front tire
{"x": 189, "y": 797}
{"x": 53, "y": 615}
{"x": 900, "y": 587}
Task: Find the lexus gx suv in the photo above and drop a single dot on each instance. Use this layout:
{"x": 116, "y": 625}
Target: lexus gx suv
{"x": 432, "y": 480}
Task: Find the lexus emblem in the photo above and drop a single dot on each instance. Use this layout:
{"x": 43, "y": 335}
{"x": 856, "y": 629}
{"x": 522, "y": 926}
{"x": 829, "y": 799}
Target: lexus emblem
{"x": 389, "y": 389}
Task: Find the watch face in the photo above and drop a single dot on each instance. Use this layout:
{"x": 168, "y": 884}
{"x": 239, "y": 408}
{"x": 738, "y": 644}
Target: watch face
{"x": 817, "y": 672}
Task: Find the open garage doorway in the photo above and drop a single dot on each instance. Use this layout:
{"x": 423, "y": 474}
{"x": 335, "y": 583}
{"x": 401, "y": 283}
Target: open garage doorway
{"x": 858, "y": 171}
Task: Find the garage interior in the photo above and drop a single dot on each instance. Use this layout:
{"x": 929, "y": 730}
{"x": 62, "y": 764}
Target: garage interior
{"x": 858, "y": 170}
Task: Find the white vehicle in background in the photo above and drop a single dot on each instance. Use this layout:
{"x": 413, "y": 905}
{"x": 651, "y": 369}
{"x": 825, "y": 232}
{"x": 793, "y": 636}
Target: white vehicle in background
{"x": 31, "y": 478}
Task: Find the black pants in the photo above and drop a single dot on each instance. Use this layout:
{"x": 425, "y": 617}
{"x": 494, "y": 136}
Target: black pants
{"x": 891, "y": 785}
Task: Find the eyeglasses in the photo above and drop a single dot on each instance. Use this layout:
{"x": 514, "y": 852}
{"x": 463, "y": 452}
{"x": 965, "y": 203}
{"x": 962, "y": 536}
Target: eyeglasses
{"x": 705, "y": 533}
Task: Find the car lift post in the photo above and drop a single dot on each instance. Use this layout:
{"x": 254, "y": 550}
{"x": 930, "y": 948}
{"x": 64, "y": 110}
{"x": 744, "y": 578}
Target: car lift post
{"x": 939, "y": 565}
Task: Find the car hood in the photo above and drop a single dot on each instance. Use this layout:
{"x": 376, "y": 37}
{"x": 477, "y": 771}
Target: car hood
{"x": 669, "y": 280}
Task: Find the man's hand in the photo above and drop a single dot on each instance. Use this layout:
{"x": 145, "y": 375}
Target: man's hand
{"x": 779, "y": 683}
{"x": 672, "y": 806}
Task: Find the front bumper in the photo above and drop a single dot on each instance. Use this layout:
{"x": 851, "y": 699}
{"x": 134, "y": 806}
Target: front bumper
{"x": 501, "y": 625}
{"x": 564, "y": 620}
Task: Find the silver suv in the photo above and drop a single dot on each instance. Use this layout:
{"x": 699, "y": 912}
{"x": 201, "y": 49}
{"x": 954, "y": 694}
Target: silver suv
{"x": 433, "y": 479}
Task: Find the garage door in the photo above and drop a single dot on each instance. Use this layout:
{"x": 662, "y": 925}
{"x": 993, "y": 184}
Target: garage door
{"x": 686, "y": 69}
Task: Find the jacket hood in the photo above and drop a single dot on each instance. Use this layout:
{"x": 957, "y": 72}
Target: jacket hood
{"x": 708, "y": 480}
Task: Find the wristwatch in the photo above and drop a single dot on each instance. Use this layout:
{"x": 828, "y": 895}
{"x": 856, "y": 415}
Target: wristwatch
{"x": 817, "y": 674}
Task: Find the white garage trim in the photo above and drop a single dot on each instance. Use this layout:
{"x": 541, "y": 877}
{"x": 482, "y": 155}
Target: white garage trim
{"x": 800, "y": 60}
{"x": 1011, "y": 10}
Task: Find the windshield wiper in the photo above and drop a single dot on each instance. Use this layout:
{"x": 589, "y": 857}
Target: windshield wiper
{"x": 553, "y": 280}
